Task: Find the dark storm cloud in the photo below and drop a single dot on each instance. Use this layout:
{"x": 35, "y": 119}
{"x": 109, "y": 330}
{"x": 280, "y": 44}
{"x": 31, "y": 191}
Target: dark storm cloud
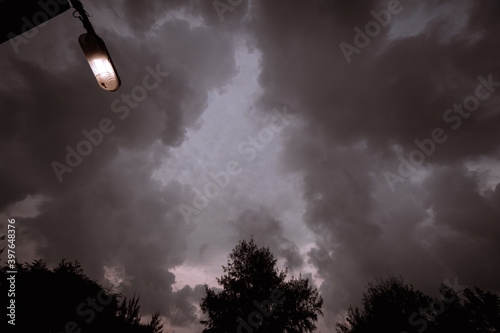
{"x": 370, "y": 98}
{"x": 469, "y": 224}
{"x": 361, "y": 115}
{"x": 359, "y": 118}
{"x": 183, "y": 311}
{"x": 140, "y": 16}
{"x": 267, "y": 231}
{"x": 108, "y": 210}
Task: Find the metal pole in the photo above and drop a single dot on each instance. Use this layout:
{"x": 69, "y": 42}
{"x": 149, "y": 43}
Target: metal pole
{"x": 84, "y": 17}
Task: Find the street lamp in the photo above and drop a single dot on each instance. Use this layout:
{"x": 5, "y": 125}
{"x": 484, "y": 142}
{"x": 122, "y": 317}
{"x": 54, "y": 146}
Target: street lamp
{"x": 96, "y": 52}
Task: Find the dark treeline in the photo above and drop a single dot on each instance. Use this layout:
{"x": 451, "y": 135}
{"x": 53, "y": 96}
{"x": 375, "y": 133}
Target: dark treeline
{"x": 255, "y": 296}
{"x": 392, "y": 306}
{"x": 64, "y": 299}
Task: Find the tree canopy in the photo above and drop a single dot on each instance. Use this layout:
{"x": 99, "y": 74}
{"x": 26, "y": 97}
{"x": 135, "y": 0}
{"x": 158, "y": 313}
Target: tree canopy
{"x": 393, "y": 306}
{"x": 256, "y": 297}
{"x": 64, "y": 299}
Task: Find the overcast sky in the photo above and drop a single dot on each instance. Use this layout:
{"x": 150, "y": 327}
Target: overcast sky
{"x": 356, "y": 139}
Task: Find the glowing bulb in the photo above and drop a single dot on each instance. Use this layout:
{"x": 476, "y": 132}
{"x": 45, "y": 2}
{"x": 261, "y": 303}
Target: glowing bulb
{"x": 100, "y": 62}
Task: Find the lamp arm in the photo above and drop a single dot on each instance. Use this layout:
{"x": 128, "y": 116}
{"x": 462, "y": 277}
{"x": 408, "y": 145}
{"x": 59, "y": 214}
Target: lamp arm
{"x": 83, "y": 16}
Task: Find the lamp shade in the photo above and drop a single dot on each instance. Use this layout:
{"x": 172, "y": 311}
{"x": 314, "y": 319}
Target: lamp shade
{"x": 100, "y": 61}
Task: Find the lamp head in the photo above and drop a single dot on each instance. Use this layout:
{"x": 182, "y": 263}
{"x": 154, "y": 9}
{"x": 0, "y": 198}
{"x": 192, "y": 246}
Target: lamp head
{"x": 100, "y": 61}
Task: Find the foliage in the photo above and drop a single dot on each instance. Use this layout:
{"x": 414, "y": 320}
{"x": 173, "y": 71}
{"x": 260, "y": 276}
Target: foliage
{"x": 64, "y": 299}
{"x": 255, "y": 296}
{"x": 393, "y": 306}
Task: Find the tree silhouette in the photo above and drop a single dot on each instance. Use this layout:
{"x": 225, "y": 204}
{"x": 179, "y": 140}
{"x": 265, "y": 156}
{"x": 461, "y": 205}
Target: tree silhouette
{"x": 386, "y": 307}
{"x": 470, "y": 310}
{"x": 64, "y": 299}
{"x": 256, "y": 298}
{"x": 393, "y": 306}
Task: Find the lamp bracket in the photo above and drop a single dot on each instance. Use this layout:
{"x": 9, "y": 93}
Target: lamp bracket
{"x": 82, "y": 15}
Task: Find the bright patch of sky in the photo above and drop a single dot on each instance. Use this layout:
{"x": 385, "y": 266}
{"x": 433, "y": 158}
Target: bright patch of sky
{"x": 412, "y": 24}
{"x": 228, "y": 124}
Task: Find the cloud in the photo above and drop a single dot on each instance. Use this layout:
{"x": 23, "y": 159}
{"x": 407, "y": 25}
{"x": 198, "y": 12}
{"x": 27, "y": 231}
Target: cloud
{"x": 184, "y": 312}
{"x": 357, "y": 121}
{"x": 108, "y": 211}
{"x": 267, "y": 231}
{"x": 361, "y": 116}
